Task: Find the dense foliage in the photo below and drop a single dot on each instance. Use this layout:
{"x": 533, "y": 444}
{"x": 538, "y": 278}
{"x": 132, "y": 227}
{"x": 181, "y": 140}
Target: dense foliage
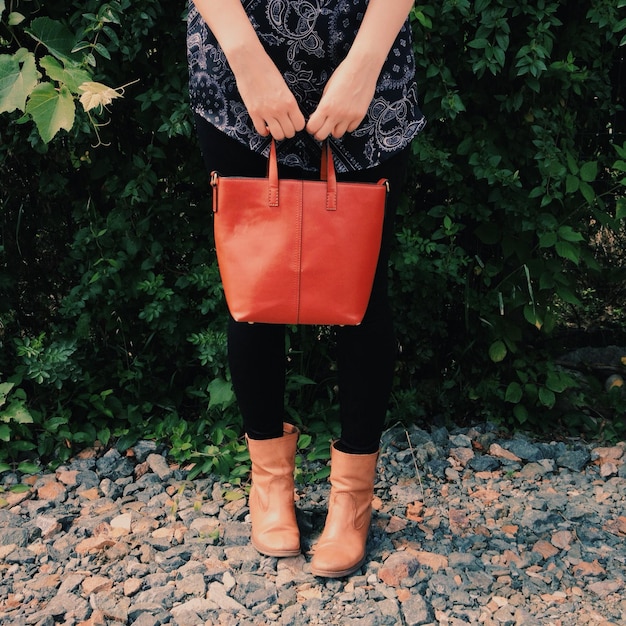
{"x": 112, "y": 321}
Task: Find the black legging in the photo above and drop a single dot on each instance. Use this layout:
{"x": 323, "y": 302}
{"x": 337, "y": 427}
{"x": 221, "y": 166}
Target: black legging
{"x": 365, "y": 353}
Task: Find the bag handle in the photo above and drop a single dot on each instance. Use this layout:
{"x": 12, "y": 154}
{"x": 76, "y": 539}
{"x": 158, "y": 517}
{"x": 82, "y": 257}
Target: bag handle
{"x": 327, "y": 173}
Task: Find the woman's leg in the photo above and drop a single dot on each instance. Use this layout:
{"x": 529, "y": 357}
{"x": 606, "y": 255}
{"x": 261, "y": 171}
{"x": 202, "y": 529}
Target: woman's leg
{"x": 366, "y": 353}
{"x": 256, "y": 352}
{"x": 256, "y": 356}
{"x": 366, "y": 356}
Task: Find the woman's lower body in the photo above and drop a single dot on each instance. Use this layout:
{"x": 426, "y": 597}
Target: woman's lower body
{"x": 365, "y": 361}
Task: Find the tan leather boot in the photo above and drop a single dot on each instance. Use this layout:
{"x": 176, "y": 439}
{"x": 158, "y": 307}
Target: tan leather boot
{"x": 272, "y": 510}
{"x": 341, "y": 548}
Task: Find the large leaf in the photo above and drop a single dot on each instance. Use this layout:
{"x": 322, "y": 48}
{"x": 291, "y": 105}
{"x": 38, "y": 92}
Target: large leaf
{"x": 51, "y": 109}
{"x": 54, "y": 36}
{"x": 18, "y": 78}
{"x": 70, "y": 76}
{"x": 18, "y": 413}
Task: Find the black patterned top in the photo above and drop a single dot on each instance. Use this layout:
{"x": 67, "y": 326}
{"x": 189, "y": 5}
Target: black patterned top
{"x": 307, "y": 39}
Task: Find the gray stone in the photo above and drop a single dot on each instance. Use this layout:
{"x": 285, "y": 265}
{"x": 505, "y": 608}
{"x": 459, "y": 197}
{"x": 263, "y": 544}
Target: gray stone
{"x": 162, "y": 596}
{"x": 293, "y": 616}
{"x": 218, "y": 594}
{"x": 112, "y": 605}
{"x": 483, "y": 463}
{"x": 574, "y": 460}
{"x": 440, "y": 437}
{"x": 193, "y": 612}
{"x": 252, "y": 589}
{"x": 113, "y": 466}
{"x": 87, "y": 479}
{"x": 235, "y": 533}
{"x": 192, "y": 585}
{"x": 111, "y": 489}
{"x": 61, "y": 604}
{"x": 142, "y": 449}
{"x": 416, "y": 611}
{"x": 146, "y": 619}
{"x": 442, "y": 584}
{"x": 463, "y": 560}
{"x": 524, "y": 450}
{"x": 14, "y": 537}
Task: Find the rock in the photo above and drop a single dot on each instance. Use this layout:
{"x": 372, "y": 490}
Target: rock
{"x": 574, "y": 460}
{"x": 484, "y": 463}
{"x": 397, "y": 567}
{"x": 14, "y": 537}
{"x": 158, "y": 464}
{"x": 113, "y": 466}
{"x": 112, "y": 606}
{"x": 416, "y": 611}
{"x": 524, "y": 450}
{"x": 497, "y": 451}
{"x": 142, "y": 449}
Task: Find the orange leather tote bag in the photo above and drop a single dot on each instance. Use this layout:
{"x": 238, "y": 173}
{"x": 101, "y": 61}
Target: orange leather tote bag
{"x": 297, "y": 251}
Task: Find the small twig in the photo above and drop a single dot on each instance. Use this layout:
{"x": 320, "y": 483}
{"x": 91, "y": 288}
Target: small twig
{"x": 417, "y": 471}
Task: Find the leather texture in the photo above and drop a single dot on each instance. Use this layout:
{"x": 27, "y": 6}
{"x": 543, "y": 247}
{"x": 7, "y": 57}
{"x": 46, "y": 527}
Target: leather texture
{"x": 272, "y": 509}
{"x": 341, "y": 548}
{"x": 297, "y": 251}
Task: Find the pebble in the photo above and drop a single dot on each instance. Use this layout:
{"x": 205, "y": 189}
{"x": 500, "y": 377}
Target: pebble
{"x": 469, "y": 527}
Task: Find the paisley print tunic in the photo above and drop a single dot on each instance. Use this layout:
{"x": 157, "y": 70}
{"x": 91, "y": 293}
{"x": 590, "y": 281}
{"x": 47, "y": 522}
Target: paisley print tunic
{"x": 307, "y": 39}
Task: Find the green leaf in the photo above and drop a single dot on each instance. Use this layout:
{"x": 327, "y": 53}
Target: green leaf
{"x": 304, "y": 441}
{"x": 51, "y": 109}
{"x": 54, "y": 36}
{"x": 231, "y": 496}
{"x": 532, "y": 316}
{"x": 220, "y": 393}
{"x": 4, "y": 467}
{"x": 620, "y": 209}
{"x": 520, "y": 412}
{"x": 572, "y": 184}
{"x": 21, "y": 488}
{"x": 589, "y": 171}
{"x": 513, "y": 393}
{"x": 423, "y": 19}
{"x": 18, "y": 413}
{"x": 5, "y": 433}
{"x": 72, "y": 77}
{"x": 547, "y": 240}
{"x": 5, "y": 390}
{"x": 567, "y": 251}
{"x": 28, "y": 468}
{"x": 478, "y": 43}
{"x": 588, "y": 193}
{"x": 3, "y": 7}
{"x": 547, "y": 397}
{"x": 497, "y": 351}
{"x": 569, "y": 234}
{"x": 556, "y": 383}
{"x": 567, "y": 296}
{"x": 18, "y": 78}
{"x": 15, "y": 18}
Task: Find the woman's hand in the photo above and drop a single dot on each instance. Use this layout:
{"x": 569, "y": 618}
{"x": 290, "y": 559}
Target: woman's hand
{"x": 351, "y": 88}
{"x": 265, "y": 94}
{"x": 269, "y": 101}
{"x": 344, "y": 103}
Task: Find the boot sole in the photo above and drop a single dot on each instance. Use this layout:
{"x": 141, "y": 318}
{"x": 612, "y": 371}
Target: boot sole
{"x": 338, "y": 573}
{"x": 276, "y": 553}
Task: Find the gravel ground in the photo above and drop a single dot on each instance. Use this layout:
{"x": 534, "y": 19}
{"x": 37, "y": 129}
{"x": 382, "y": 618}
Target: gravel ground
{"x": 469, "y": 527}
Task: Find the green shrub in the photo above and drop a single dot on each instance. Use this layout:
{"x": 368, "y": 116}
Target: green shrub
{"x": 112, "y": 321}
